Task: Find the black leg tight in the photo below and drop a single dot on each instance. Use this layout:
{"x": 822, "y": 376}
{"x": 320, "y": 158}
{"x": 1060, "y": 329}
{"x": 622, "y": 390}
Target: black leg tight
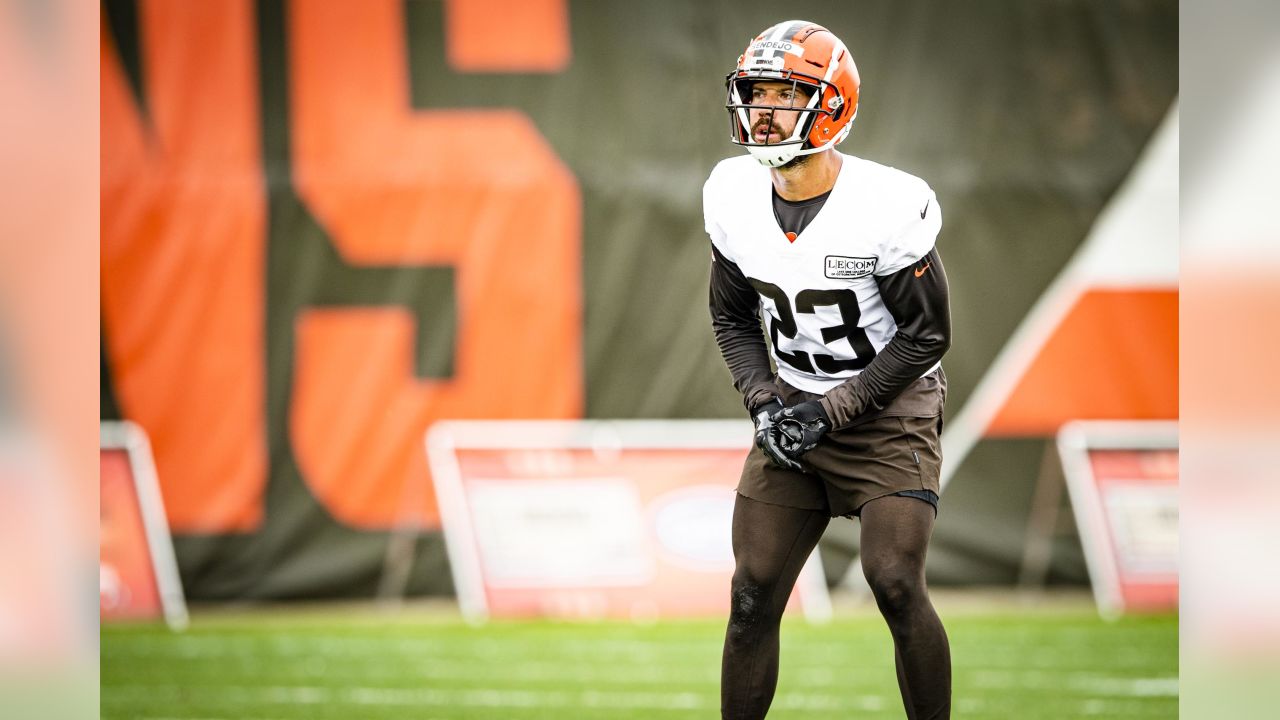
{"x": 895, "y": 535}
{"x": 770, "y": 546}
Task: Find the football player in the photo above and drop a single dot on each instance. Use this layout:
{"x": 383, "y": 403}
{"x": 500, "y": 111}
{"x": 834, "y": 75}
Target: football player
{"x": 836, "y": 255}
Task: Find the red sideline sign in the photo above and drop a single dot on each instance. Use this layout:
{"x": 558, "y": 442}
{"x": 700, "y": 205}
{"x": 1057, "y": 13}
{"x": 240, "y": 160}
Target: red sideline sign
{"x": 137, "y": 573}
{"x": 1123, "y": 481}
{"x": 589, "y": 519}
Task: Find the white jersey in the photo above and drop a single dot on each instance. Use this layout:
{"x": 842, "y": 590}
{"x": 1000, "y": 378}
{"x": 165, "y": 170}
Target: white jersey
{"x": 819, "y": 296}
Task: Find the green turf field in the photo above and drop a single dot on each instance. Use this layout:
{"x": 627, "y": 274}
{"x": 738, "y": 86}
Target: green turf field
{"x": 360, "y": 664}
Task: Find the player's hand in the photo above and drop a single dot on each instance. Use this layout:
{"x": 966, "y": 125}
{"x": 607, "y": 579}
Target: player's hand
{"x": 763, "y": 416}
{"x": 796, "y": 430}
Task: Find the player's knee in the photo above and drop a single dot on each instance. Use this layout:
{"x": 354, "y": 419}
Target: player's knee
{"x": 748, "y": 605}
{"x": 896, "y": 590}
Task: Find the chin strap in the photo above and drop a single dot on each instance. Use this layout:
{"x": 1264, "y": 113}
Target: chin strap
{"x": 769, "y": 160}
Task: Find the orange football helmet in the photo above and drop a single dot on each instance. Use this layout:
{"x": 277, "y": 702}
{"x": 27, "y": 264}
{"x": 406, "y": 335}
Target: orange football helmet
{"x": 814, "y": 60}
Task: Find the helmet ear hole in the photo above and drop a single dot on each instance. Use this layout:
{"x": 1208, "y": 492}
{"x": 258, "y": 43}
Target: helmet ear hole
{"x": 837, "y": 105}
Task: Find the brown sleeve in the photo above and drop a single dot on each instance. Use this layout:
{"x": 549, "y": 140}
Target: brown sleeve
{"x": 917, "y": 297}
{"x": 735, "y": 319}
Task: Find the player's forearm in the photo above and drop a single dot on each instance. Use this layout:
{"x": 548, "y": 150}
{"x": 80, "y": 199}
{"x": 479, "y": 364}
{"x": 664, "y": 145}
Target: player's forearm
{"x": 901, "y": 363}
{"x": 744, "y": 351}
{"x": 734, "y": 307}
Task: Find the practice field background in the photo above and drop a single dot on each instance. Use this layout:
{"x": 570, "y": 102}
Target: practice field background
{"x": 324, "y": 231}
{"x": 1050, "y": 660}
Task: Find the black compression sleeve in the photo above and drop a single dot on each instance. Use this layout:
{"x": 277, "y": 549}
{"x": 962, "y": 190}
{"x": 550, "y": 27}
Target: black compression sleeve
{"x": 917, "y": 298}
{"x": 735, "y": 318}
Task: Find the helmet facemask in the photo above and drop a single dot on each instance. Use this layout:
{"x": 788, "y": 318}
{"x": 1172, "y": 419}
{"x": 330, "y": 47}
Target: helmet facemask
{"x": 797, "y": 143}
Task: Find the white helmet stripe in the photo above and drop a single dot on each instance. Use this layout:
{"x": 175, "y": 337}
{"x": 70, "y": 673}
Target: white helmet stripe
{"x": 836, "y": 49}
{"x": 786, "y": 28}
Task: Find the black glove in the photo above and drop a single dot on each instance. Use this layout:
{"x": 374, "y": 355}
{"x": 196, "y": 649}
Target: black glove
{"x": 797, "y": 429}
{"x": 766, "y": 439}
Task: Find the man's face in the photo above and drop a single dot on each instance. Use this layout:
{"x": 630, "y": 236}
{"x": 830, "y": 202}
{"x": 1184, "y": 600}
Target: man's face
{"x": 773, "y": 126}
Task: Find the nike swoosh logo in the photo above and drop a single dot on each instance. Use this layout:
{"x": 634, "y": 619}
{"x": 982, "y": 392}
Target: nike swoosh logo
{"x": 925, "y": 210}
{"x": 927, "y": 265}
